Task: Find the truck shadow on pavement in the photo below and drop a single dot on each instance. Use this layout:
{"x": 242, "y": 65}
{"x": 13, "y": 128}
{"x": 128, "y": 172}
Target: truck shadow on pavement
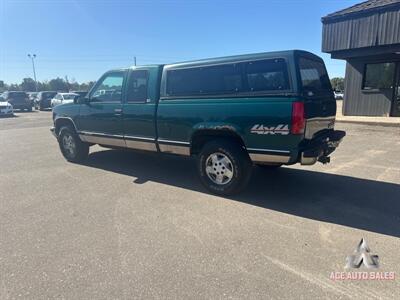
{"x": 343, "y": 200}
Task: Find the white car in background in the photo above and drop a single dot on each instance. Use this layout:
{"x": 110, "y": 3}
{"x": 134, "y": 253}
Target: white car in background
{"x": 338, "y": 95}
{"x": 6, "y": 109}
{"x": 62, "y": 98}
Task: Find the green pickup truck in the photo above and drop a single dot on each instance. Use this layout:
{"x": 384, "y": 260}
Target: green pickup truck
{"x": 268, "y": 109}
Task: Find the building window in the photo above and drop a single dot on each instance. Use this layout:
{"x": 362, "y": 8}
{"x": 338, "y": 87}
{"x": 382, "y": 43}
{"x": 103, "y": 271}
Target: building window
{"x": 379, "y": 76}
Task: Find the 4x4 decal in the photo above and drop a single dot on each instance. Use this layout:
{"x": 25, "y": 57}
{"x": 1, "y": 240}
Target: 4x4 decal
{"x": 282, "y": 129}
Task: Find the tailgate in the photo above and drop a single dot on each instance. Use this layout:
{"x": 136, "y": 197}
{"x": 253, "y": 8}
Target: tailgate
{"x": 18, "y": 98}
{"x": 320, "y": 115}
{"x": 17, "y": 101}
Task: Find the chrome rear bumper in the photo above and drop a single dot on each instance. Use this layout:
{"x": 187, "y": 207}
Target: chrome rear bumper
{"x": 319, "y": 149}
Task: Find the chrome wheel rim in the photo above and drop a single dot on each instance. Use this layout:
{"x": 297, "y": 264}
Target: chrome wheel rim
{"x": 219, "y": 168}
{"x": 69, "y": 144}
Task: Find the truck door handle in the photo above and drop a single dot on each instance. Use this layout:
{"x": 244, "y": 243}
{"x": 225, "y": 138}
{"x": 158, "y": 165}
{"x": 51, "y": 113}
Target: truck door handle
{"x": 118, "y": 111}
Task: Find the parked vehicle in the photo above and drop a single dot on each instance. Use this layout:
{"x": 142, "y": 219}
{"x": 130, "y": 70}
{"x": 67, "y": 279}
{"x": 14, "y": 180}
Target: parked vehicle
{"x": 62, "y": 98}
{"x": 43, "y": 99}
{"x": 18, "y": 100}
{"x": 338, "y": 95}
{"x": 268, "y": 109}
{"x": 6, "y": 109}
{"x": 32, "y": 97}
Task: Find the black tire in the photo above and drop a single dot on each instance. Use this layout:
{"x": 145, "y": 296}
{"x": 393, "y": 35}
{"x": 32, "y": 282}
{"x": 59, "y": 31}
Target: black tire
{"x": 76, "y": 151}
{"x": 239, "y": 163}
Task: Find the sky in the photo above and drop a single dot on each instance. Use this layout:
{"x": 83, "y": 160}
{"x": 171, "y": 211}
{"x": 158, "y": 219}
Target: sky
{"x": 81, "y": 39}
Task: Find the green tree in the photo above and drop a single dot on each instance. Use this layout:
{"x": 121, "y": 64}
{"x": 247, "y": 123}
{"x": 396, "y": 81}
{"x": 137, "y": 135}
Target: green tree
{"x": 72, "y": 84}
{"x": 13, "y": 87}
{"x": 58, "y": 84}
{"x": 55, "y": 84}
{"x": 28, "y": 85}
{"x": 43, "y": 86}
{"x": 338, "y": 84}
{"x": 86, "y": 86}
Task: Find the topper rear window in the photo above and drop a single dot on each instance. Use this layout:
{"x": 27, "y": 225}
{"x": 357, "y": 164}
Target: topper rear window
{"x": 313, "y": 75}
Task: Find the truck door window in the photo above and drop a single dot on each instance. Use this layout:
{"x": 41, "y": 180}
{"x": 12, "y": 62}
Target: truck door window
{"x": 109, "y": 89}
{"x": 137, "y": 87}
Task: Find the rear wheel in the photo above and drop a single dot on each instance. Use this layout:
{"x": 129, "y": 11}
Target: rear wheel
{"x": 224, "y": 167}
{"x": 72, "y": 148}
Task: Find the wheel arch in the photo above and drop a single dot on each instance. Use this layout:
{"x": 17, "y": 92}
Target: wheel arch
{"x": 64, "y": 121}
{"x": 201, "y": 136}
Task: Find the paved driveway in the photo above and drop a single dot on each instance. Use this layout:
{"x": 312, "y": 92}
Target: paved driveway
{"x": 129, "y": 225}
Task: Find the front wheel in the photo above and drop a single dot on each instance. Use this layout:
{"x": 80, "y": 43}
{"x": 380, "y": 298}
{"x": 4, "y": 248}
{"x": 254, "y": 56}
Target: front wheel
{"x": 224, "y": 167}
{"x": 72, "y": 148}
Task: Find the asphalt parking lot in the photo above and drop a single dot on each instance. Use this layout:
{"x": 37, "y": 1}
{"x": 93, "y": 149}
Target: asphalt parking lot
{"x": 129, "y": 225}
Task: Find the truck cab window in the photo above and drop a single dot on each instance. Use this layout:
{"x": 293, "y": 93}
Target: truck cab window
{"x": 109, "y": 89}
{"x": 137, "y": 87}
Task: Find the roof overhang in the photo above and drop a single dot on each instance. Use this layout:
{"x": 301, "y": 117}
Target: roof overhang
{"x": 389, "y": 51}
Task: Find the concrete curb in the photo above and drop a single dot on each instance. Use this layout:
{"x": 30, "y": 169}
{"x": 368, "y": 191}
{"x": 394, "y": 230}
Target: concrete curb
{"x": 376, "y": 123}
{"x": 364, "y": 120}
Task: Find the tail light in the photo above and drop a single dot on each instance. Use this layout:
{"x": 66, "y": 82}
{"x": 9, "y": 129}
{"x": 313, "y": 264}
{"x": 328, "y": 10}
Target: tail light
{"x": 298, "y": 119}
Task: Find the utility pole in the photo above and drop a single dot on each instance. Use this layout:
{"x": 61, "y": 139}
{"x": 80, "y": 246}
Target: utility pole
{"x": 134, "y": 59}
{"x": 32, "y": 57}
